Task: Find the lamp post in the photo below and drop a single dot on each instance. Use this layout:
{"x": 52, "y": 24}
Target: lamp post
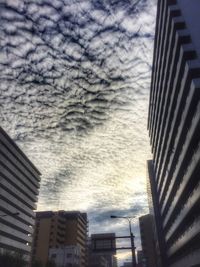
{"x": 131, "y": 236}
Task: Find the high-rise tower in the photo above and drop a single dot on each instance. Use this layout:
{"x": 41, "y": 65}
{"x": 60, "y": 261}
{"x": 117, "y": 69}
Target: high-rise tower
{"x": 174, "y": 128}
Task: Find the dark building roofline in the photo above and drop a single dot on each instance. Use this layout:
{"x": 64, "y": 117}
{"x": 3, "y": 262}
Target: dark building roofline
{"x": 66, "y": 214}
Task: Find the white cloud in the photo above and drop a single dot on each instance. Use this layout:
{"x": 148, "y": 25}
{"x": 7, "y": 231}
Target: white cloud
{"x": 74, "y": 94}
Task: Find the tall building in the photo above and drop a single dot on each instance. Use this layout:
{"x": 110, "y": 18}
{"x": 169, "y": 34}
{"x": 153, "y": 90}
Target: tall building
{"x": 58, "y": 230}
{"x": 154, "y": 212}
{"x": 103, "y": 245}
{"x": 19, "y": 185}
{"x": 174, "y": 128}
{"x": 147, "y": 240}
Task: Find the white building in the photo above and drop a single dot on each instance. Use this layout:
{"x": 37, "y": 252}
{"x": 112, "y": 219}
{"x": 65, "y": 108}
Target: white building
{"x": 67, "y": 256}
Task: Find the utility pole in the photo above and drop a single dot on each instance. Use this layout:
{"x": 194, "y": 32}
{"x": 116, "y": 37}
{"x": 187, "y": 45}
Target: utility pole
{"x": 131, "y": 237}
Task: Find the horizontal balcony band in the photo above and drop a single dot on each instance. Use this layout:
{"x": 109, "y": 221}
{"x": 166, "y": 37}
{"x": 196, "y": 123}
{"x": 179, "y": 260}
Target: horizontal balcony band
{"x": 185, "y": 149}
{"x": 190, "y": 259}
{"x": 191, "y": 99}
{"x": 176, "y": 24}
{"x": 16, "y": 225}
{"x": 6, "y": 208}
{"x": 194, "y": 199}
{"x": 18, "y": 153}
{"x": 180, "y": 36}
{"x": 183, "y": 80}
{"x": 18, "y": 166}
{"x": 185, "y": 238}
{"x": 15, "y": 172}
{"x": 167, "y": 42}
{"x": 82, "y": 226}
{"x": 4, "y": 195}
{"x": 190, "y": 53}
{"x": 14, "y": 234}
{"x": 183, "y": 186}
{"x": 173, "y": 11}
{"x": 157, "y": 47}
{"x": 18, "y": 194}
{"x": 4, "y": 173}
{"x": 14, "y": 245}
{"x": 194, "y": 90}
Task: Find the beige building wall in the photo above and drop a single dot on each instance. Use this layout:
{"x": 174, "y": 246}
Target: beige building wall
{"x": 59, "y": 229}
{"x": 42, "y": 235}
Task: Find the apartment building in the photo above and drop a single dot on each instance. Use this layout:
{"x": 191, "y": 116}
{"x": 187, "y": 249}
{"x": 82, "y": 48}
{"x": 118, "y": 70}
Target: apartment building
{"x": 19, "y": 187}
{"x": 174, "y": 129}
{"x": 58, "y": 229}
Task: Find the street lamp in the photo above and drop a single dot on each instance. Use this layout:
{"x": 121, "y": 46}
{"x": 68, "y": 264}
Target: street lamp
{"x": 131, "y": 236}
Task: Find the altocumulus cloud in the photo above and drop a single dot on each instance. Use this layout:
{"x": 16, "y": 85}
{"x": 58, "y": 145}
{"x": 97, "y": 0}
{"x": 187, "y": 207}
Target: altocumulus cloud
{"x": 75, "y": 79}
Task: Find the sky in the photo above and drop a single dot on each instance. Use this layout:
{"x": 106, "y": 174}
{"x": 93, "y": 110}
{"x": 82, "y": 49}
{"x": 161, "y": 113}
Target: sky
{"x": 74, "y": 88}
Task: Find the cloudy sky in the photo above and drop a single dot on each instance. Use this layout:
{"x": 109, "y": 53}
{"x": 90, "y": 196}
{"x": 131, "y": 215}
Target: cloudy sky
{"x": 74, "y": 88}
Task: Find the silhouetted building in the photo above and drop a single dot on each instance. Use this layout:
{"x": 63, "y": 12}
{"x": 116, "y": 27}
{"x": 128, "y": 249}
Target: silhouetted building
{"x": 19, "y": 185}
{"x": 96, "y": 260}
{"x": 58, "y": 230}
{"x": 140, "y": 256}
{"x": 147, "y": 240}
{"x": 174, "y": 128}
{"x": 154, "y": 211}
{"x": 103, "y": 246}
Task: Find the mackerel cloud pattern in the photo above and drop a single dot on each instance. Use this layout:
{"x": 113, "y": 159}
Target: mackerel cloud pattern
{"x": 74, "y": 85}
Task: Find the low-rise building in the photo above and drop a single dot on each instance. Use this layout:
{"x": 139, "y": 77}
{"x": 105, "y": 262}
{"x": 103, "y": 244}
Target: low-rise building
{"x": 67, "y": 256}
{"x": 103, "y": 246}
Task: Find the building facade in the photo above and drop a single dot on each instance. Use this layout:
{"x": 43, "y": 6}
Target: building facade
{"x": 174, "y": 129}
{"x": 67, "y": 256}
{"x": 98, "y": 261}
{"x": 147, "y": 240}
{"x": 19, "y": 185}
{"x": 103, "y": 245}
{"x": 154, "y": 212}
{"x": 57, "y": 230}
